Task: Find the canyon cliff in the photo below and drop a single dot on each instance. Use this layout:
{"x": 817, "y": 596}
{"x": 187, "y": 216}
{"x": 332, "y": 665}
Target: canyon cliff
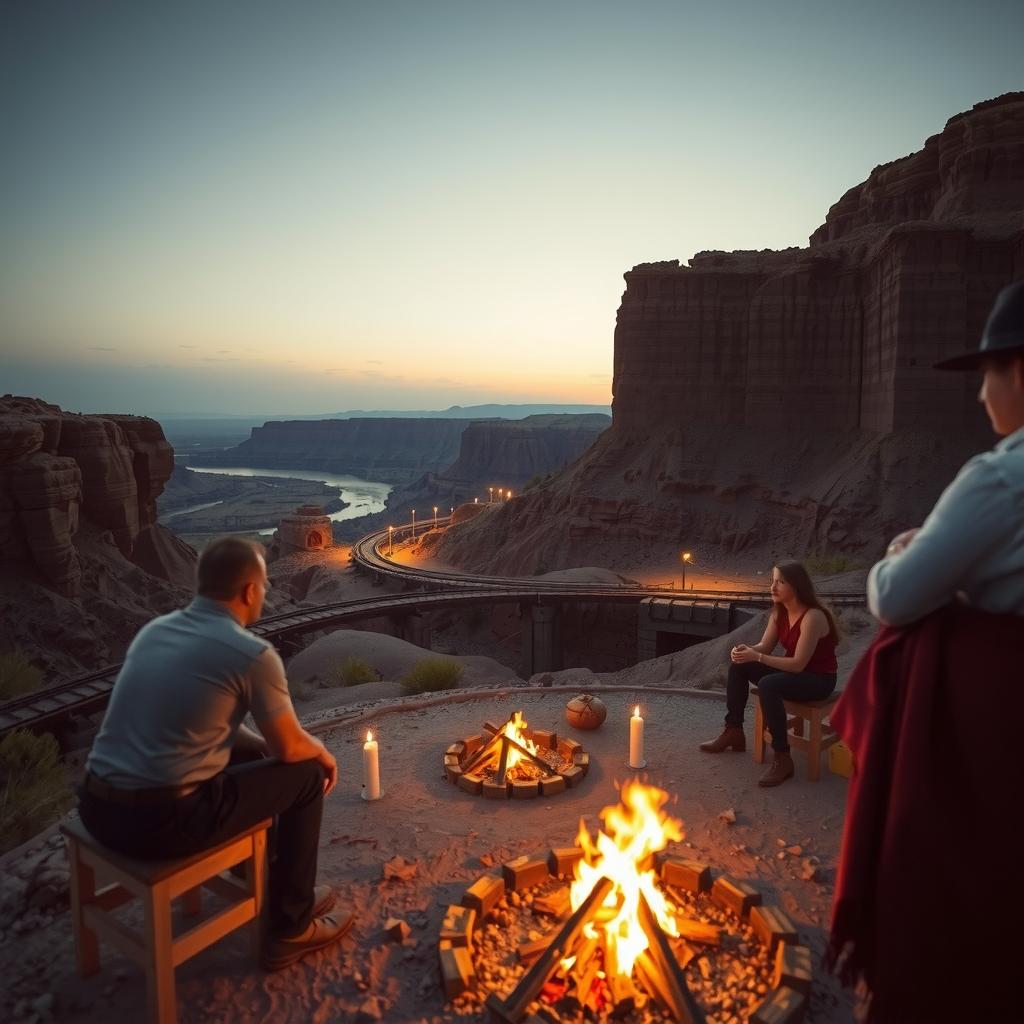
{"x": 84, "y": 562}
{"x": 389, "y": 450}
{"x": 784, "y": 403}
{"x": 492, "y": 453}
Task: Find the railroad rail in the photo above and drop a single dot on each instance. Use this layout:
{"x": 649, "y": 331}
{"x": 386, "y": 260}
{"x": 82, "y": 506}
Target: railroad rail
{"x": 58, "y": 707}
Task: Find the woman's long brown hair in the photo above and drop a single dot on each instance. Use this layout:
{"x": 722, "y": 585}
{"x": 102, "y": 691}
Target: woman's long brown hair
{"x": 797, "y": 577}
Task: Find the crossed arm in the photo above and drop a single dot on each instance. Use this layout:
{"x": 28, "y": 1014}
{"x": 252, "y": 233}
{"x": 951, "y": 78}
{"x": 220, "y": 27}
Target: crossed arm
{"x": 813, "y": 627}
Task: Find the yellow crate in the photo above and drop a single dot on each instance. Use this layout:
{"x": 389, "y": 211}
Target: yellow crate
{"x": 840, "y": 760}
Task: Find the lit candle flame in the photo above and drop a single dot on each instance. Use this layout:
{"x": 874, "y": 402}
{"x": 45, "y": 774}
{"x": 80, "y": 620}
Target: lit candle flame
{"x": 369, "y": 736}
{"x": 636, "y": 711}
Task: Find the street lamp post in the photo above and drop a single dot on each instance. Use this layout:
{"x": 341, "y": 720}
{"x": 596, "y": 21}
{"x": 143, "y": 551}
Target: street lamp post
{"x": 391, "y": 541}
{"x": 414, "y": 524}
{"x": 435, "y": 517}
{"x": 490, "y": 495}
{"x": 685, "y": 558}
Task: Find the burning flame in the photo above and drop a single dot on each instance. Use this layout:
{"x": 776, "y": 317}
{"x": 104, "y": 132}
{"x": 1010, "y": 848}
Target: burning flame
{"x": 369, "y": 736}
{"x": 634, "y": 829}
{"x": 513, "y": 729}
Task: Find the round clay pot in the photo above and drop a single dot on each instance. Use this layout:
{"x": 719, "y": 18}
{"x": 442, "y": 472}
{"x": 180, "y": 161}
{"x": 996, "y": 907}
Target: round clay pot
{"x": 585, "y": 711}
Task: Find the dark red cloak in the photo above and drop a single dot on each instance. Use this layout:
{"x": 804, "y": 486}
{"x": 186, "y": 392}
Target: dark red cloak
{"x": 929, "y": 902}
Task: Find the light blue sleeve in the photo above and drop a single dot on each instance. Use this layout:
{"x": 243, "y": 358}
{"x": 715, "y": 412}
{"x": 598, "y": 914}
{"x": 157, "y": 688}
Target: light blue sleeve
{"x": 269, "y": 696}
{"x": 973, "y": 515}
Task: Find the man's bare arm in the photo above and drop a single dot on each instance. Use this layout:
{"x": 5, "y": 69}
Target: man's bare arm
{"x": 289, "y": 742}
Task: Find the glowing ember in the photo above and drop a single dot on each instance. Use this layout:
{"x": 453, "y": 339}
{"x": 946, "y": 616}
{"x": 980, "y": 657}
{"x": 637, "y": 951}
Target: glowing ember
{"x": 634, "y": 830}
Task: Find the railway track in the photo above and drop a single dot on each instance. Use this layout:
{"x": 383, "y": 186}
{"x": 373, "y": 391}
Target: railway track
{"x": 57, "y": 708}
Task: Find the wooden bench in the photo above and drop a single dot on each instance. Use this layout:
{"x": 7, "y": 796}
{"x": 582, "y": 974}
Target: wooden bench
{"x": 819, "y": 735}
{"x": 156, "y": 884}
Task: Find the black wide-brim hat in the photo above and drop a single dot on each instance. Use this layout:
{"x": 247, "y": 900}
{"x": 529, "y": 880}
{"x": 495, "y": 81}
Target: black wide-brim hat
{"x": 1004, "y": 331}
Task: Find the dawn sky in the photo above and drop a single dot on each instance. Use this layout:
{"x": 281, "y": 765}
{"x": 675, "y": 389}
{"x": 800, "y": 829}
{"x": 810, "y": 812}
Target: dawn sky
{"x": 284, "y": 208}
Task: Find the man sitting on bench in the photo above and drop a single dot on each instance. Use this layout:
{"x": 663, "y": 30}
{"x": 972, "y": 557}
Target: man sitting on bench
{"x": 174, "y": 770}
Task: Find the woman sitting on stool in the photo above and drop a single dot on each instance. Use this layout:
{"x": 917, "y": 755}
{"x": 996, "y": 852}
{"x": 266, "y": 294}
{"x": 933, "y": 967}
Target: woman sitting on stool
{"x": 807, "y": 671}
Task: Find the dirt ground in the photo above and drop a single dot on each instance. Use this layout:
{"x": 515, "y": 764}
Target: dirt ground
{"x": 445, "y": 832}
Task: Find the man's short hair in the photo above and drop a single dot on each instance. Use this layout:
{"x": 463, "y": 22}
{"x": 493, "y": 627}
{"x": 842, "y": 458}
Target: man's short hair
{"x": 225, "y": 566}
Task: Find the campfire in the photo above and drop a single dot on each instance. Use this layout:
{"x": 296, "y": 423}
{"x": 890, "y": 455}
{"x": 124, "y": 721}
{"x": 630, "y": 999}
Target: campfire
{"x": 617, "y": 936}
{"x": 511, "y": 760}
{"x": 636, "y": 928}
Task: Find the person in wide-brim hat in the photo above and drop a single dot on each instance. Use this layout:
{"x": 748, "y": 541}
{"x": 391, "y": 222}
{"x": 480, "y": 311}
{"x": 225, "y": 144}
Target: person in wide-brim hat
{"x": 971, "y": 546}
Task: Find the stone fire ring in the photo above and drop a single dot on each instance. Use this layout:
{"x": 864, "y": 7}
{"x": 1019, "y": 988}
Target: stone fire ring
{"x": 785, "y": 1003}
{"x": 461, "y": 752}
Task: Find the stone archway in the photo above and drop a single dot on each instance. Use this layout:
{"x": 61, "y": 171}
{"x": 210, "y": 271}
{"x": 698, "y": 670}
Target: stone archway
{"x": 314, "y": 539}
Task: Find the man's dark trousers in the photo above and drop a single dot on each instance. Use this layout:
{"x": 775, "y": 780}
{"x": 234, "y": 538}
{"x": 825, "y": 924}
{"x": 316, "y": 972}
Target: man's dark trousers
{"x": 232, "y": 801}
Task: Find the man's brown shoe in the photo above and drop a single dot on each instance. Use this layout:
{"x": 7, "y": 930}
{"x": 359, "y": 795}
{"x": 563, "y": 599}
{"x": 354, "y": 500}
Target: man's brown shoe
{"x": 781, "y": 769}
{"x": 732, "y": 738}
{"x": 322, "y": 931}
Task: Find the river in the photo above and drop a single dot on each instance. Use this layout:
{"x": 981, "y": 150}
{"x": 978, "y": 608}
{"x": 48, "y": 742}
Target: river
{"x": 364, "y": 497}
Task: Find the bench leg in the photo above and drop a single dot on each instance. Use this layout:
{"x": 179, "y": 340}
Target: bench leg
{"x": 256, "y": 877}
{"x": 83, "y": 892}
{"x": 758, "y": 732}
{"x": 159, "y": 966}
{"x": 814, "y": 747}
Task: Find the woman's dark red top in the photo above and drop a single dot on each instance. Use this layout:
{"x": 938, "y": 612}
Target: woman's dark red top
{"x": 823, "y": 660}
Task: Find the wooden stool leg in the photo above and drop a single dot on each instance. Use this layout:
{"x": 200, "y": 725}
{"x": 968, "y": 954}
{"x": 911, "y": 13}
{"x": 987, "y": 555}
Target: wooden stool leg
{"x": 256, "y": 878}
{"x": 798, "y": 725}
{"x": 159, "y": 965}
{"x": 83, "y": 892}
{"x": 758, "y": 731}
{"x": 192, "y": 900}
{"x": 814, "y": 746}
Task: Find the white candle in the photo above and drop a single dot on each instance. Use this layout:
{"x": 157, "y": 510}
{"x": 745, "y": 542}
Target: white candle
{"x": 636, "y": 740}
{"x": 371, "y": 769}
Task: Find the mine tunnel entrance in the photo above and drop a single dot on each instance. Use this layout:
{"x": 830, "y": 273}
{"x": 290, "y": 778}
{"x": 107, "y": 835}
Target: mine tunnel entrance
{"x": 668, "y": 643}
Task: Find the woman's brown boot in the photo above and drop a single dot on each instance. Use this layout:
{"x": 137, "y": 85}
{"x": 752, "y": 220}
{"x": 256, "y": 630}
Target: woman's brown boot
{"x": 732, "y": 738}
{"x": 781, "y": 769}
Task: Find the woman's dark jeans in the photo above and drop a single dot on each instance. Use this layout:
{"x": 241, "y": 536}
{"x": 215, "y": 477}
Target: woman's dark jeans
{"x": 774, "y": 687}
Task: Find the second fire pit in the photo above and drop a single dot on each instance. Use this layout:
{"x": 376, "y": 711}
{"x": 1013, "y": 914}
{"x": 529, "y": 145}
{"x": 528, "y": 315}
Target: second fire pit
{"x": 514, "y": 761}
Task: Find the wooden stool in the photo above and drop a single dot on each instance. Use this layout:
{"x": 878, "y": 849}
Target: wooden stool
{"x": 819, "y": 735}
{"x": 156, "y": 883}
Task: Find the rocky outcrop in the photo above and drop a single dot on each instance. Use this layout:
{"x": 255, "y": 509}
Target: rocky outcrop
{"x": 389, "y": 450}
{"x": 57, "y": 468}
{"x": 513, "y": 452}
{"x": 785, "y": 402}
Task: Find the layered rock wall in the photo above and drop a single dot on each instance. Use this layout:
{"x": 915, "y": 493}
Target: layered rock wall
{"x": 513, "y": 452}
{"x": 59, "y": 468}
{"x": 391, "y": 450}
{"x": 785, "y": 401}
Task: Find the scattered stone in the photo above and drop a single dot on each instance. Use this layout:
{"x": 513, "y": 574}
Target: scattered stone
{"x": 399, "y": 868}
{"x": 728, "y": 816}
{"x": 396, "y": 929}
{"x": 370, "y": 1009}
{"x": 795, "y": 850}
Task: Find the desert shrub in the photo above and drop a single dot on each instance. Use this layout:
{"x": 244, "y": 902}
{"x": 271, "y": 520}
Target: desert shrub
{"x": 18, "y": 675}
{"x": 34, "y": 790}
{"x": 433, "y": 674}
{"x": 830, "y": 565}
{"x": 352, "y": 672}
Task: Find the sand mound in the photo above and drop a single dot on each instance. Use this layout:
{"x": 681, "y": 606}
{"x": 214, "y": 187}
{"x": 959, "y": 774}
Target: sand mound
{"x": 390, "y": 657}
